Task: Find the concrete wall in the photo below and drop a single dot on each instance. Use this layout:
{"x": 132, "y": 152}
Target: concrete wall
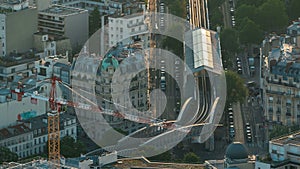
{"x": 261, "y": 165}
{"x": 62, "y": 45}
{"x": 77, "y": 28}
{"x": 24, "y": 147}
{"x": 20, "y": 27}
{"x": 9, "y": 111}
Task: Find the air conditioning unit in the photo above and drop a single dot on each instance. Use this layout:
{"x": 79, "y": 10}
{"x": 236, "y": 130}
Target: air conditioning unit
{"x": 45, "y": 38}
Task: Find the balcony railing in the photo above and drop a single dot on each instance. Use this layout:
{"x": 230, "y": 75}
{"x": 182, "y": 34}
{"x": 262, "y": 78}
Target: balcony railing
{"x": 281, "y": 83}
{"x": 275, "y": 92}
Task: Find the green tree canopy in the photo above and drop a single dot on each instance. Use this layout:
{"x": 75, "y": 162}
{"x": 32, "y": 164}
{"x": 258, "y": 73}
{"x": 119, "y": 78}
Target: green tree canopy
{"x": 236, "y": 89}
{"x": 229, "y": 40}
{"x": 249, "y": 2}
{"x": 164, "y": 157}
{"x": 250, "y": 32}
{"x": 280, "y": 130}
{"x": 7, "y": 156}
{"x": 272, "y": 16}
{"x": 294, "y": 9}
{"x": 245, "y": 11}
{"x": 177, "y": 7}
{"x": 216, "y": 18}
{"x": 191, "y": 158}
{"x": 94, "y": 21}
{"x": 69, "y": 148}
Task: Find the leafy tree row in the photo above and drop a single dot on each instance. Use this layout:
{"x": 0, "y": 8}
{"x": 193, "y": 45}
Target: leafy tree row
{"x": 236, "y": 89}
{"x": 256, "y": 18}
{"x": 292, "y": 6}
{"x": 70, "y": 148}
{"x": 280, "y": 130}
{"x": 7, "y": 156}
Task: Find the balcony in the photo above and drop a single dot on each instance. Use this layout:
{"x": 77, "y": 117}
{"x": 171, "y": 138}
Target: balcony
{"x": 134, "y": 88}
{"x": 51, "y": 21}
{"x": 270, "y": 110}
{"x": 275, "y": 92}
{"x": 284, "y": 83}
{"x": 131, "y": 25}
{"x": 278, "y": 112}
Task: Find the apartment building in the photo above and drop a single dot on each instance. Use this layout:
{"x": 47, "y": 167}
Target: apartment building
{"x": 127, "y": 29}
{"x": 19, "y": 66}
{"x": 138, "y": 88}
{"x": 62, "y": 21}
{"x": 29, "y": 137}
{"x": 18, "y": 22}
{"x": 106, "y": 7}
{"x": 280, "y": 80}
{"x": 284, "y": 153}
{"x": 282, "y": 93}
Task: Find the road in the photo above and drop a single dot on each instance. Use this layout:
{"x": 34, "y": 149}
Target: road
{"x": 225, "y": 8}
{"x": 252, "y": 110}
{"x": 238, "y": 123}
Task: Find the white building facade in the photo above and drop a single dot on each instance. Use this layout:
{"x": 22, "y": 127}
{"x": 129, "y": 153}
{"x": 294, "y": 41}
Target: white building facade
{"x": 127, "y": 29}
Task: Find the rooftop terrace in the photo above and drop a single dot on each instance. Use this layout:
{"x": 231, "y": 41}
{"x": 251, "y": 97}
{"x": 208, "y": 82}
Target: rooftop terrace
{"x": 293, "y": 139}
{"x": 62, "y": 10}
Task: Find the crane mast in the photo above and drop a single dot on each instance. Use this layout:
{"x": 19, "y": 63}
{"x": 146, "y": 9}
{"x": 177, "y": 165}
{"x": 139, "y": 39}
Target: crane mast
{"x": 53, "y": 127}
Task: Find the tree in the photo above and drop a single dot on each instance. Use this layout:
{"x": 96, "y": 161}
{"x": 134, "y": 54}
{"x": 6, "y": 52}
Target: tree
{"x": 250, "y": 32}
{"x": 215, "y": 13}
{"x": 216, "y": 18}
{"x": 69, "y": 148}
{"x": 229, "y": 40}
{"x": 7, "y": 156}
{"x": 245, "y": 11}
{"x": 177, "y": 7}
{"x": 164, "y": 157}
{"x": 272, "y": 16}
{"x": 280, "y": 130}
{"x": 191, "y": 158}
{"x": 172, "y": 44}
{"x": 94, "y": 21}
{"x": 293, "y": 9}
{"x": 236, "y": 90}
{"x": 250, "y": 2}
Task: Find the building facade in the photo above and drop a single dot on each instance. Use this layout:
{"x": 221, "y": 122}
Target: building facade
{"x": 138, "y": 88}
{"x": 127, "y": 29}
{"x": 284, "y": 153}
{"x": 280, "y": 81}
{"x": 18, "y": 24}
{"x": 282, "y": 93}
{"x": 10, "y": 69}
{"x": 30, "y": 136}
{"x": 65, "y": 21}
{"x": 106, "y": 7}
